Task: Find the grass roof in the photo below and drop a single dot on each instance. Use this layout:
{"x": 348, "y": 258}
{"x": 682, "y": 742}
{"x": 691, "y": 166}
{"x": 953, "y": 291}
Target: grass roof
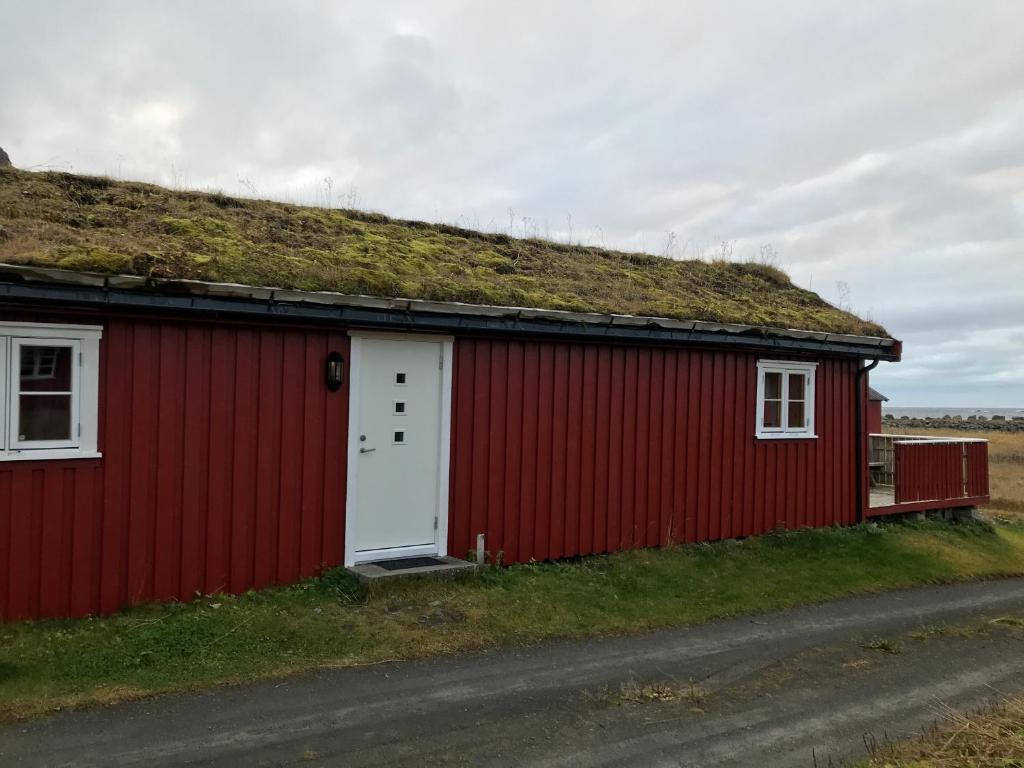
{"x": 94, "y": 224}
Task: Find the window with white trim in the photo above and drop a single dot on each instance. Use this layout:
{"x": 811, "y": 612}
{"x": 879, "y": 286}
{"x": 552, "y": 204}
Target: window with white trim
{"x": 49, "y": 391}
{"x": 785, "y": 399}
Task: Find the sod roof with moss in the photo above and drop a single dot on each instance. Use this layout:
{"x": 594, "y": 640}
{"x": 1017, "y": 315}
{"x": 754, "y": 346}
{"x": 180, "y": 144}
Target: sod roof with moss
{"x": 92, "y": 224}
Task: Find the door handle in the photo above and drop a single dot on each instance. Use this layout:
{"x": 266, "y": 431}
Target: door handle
{"x": 367, "y": 450}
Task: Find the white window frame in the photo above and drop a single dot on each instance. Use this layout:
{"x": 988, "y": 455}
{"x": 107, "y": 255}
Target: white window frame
{"x": 786, "y": 432}
{"x": 84, "y": 341}
{"x": 14, "y": 346}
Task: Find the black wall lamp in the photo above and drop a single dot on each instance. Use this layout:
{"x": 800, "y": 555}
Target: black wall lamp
{"x": 335, "y": 371}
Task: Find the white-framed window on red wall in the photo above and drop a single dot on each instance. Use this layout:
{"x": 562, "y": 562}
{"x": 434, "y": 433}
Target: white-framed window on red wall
{"x": 49, "y": 391}
{"x": 785, "y": 399}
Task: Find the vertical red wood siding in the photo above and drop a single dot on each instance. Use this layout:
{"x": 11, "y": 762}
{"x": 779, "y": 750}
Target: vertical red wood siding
{"x": 927, "y": 471}
{"x": 223, "y": 469}
{"x": 977, "y": 469}
{"x": 873, "y": 416}
{"x": 224, "y": 461}
{"x": 562, "y": 449}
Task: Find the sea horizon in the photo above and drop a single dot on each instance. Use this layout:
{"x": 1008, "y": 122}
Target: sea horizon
{"x": 934, "y": 412}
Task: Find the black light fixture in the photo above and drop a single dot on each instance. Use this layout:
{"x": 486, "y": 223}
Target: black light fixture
{"x": 335, "y": 371}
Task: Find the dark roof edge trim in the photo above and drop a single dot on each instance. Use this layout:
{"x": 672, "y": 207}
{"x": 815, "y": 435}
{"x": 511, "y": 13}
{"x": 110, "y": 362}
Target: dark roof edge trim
{"x": 49, "y": 286}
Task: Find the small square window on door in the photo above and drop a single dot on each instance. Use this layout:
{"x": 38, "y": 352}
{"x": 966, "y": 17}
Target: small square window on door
{"x": 400, "y": 379}
{"x": 399, "y": 408}
{"x": 399, "y": 438}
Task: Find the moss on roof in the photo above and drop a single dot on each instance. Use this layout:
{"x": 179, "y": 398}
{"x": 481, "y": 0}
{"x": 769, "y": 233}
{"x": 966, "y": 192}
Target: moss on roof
{"x": 95, "y": 224}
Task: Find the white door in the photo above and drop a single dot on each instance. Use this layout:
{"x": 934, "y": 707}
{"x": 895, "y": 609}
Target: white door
{"x": 398, "y": 448}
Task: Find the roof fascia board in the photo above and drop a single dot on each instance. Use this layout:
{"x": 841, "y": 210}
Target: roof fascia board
{"x": 410, "y": 314}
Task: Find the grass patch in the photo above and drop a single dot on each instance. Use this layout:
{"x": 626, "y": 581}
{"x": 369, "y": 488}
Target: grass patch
{"x": 1011, "y": 506}
{"x": 332, "y": 622}
{"x": 884, "y": 646}
{"x": 990, "y": 739}
{"x": 85, "y": 223}
{"x": 634, "y": 692}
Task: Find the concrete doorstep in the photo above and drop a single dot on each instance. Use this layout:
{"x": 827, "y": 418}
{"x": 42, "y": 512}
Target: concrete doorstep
{"x": 444, "y": 568}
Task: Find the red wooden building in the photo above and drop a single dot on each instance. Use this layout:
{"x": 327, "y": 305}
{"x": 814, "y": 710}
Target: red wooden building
{"x": 874, "y": 410}
{"x": 163, "y": 439}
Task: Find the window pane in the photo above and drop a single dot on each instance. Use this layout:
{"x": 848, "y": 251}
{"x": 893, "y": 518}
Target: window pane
{"x": 796, "y": 414}
{"x": 797, "y": 382}
{"x": 45, "y": 369}
{"x": 44, "y": 417}
{"x": 772, "y": 413}
{"x": 773, "y": 385}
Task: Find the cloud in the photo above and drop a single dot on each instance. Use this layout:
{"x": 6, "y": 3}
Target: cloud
{"x": 874, "y": 145}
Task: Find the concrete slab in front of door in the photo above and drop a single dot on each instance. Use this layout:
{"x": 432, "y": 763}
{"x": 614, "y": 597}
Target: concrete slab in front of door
{"x": 443, "y": 567}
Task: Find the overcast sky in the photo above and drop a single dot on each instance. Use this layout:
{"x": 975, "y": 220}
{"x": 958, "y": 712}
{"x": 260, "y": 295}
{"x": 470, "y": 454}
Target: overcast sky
{"x": 880, "y": 145}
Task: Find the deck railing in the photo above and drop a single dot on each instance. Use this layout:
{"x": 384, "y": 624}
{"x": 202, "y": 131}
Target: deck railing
{"x": 929, "y": 468}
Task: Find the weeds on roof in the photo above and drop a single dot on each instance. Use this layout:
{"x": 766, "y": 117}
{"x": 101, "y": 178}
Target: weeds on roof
{"x": 95, "y": 224}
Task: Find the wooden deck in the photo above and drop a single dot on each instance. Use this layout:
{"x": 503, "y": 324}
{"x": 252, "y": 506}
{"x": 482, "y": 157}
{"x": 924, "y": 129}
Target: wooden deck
{"x": 883, "y": 508}
{"x": 882, "y": 497}
{"x": 882, "y": 502}
{"x": 911, "y": 473}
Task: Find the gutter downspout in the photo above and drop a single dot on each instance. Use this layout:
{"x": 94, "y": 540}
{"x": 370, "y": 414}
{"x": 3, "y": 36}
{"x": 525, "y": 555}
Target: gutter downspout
{"x": 859, "y": 448}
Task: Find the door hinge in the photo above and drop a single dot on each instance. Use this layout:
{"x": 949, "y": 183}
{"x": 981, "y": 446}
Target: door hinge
{"x": 440, "y": 361}
{"x": 79, "y": 429}
{"x": 435, "y": 523}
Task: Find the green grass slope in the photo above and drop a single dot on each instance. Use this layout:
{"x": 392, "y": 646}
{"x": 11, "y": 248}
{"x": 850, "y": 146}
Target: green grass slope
{"x": 332, "y": 622}
{"x": 94, "y": 224}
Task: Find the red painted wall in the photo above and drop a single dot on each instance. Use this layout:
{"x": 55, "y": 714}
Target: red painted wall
{"x": 565, "y": 449}
{"x": 224, "y": 461}
{"x": 977, "y": 469}
{"x": 927, "y": 471}
{"x": 873, "y": 416}
{"x": 223, "y": 470}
